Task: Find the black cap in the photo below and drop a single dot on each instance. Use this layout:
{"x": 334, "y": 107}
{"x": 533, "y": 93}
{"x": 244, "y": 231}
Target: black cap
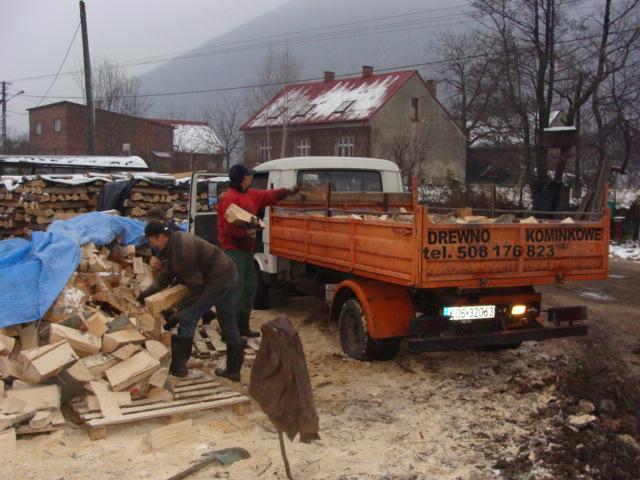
{"x": 237, "y": 173}
{"x": 156, "y": 228}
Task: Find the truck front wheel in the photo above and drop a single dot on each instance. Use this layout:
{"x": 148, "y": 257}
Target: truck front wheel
{"x": 355, "y": 339}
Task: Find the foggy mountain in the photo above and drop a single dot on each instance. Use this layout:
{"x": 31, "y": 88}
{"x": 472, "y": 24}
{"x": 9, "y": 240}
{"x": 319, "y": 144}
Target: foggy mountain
{"x": 403, "y": 33}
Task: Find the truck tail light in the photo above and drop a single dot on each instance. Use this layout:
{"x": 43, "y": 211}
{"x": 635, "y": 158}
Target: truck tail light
{"x": 518, "y": 309}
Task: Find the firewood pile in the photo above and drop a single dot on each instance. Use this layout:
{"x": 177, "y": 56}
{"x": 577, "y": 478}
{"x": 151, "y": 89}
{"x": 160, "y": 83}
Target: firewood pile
{"x": 96, "y": 346}
{"x": 39, "y": 200}
{"x": 173, "y": 198}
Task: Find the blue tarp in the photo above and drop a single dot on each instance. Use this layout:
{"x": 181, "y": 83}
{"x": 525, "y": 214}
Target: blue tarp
{"x": 34, "y": 272}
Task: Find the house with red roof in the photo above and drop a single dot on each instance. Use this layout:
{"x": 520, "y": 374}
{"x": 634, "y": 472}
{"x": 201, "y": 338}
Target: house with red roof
{"x": 395, "y": 116}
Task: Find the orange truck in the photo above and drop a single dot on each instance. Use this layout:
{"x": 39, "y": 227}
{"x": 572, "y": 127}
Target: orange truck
{"x": 395, "y": 274}
{"x": 391, "y": 271}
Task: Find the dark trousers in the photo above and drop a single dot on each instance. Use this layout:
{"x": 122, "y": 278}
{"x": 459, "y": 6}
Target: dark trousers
{"x": 224, "y": 300}
{"x": 247, "y": 285}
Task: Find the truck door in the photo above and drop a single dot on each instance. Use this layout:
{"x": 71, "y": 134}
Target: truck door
{"x": 203, "y": 216}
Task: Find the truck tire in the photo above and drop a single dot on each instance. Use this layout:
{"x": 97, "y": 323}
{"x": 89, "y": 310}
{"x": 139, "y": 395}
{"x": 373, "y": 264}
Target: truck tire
{"x": 275, "y": 295}
{"x": 354, "y": 337}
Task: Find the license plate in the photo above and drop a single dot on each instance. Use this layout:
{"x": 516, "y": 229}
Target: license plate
{"x": 470, "y": 313}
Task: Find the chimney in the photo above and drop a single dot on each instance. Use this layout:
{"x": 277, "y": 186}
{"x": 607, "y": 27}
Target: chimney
{"x": 367, "y": 71}
{"x": 329, "y": 76}
{"x": 432, "y": 86}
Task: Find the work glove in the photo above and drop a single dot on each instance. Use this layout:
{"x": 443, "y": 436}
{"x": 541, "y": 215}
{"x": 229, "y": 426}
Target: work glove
{"x": 170, "y": 319}
{"x": 144, "y": 294}
{"x": 294, "y": 190}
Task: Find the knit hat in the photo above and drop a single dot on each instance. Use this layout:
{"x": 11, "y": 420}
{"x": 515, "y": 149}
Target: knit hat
{"x": 156, "y": 228}
{"x": 237, "y": 173}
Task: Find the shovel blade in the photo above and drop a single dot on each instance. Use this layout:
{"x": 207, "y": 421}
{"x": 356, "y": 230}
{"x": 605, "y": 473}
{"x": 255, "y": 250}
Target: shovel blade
{"x": 227, "y": 456}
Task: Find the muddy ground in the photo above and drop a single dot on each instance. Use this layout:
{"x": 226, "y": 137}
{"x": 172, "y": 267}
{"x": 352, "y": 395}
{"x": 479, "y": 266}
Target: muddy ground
{"x": 456, "y": 415}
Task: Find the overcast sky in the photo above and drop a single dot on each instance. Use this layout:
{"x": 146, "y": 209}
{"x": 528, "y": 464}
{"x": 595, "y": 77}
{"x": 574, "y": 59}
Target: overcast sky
{"x": 35, "y": 35}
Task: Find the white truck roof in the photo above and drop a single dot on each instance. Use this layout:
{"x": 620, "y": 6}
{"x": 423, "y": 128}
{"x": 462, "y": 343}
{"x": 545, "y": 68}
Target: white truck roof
{"x": 346, "y": 163}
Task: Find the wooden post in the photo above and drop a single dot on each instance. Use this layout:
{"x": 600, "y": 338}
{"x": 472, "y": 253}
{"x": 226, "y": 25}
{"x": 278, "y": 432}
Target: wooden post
{"x": 328, "y": 199}
{"x": 88, "y": 84}
{"x": 493, "y": 200}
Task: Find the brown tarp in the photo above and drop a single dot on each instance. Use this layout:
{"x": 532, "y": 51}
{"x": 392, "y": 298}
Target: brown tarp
{"x": 280, "y": 381}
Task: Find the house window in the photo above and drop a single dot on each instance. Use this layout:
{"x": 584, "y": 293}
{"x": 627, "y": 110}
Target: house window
{"x": 57, "y": 125}
{"x": 264, "y": 150}
{"x": 38, "y": 128}
{"x": 303, "y": 148}
{"x": 415, "y": 109}
{"x": 344, "y": 146}
{"x": 343, "y": 106}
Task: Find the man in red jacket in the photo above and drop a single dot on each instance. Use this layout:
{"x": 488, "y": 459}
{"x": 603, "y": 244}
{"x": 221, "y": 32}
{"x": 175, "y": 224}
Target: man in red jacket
{"x": 240, "y": 242}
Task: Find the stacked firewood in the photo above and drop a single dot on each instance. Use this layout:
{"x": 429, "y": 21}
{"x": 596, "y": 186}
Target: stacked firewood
{"x": 173, "y": 198}
{"x": 37, "y": 201}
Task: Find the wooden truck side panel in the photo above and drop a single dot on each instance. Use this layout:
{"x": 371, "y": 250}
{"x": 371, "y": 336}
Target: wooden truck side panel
{"x": 512, "y": 254}
{"x": 427, "y": 255}
{"x": 381, "y": 250}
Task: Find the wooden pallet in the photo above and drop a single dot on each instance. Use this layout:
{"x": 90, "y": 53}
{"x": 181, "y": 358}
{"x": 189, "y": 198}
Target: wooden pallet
{"x": 190, "y": 395}
{"x": 208, "y": 344}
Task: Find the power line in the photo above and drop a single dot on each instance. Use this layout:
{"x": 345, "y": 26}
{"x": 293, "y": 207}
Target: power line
{"x": 243, "y": 87}
{"x": 250, "y": 44}
{"x": 279, "y": 35}
{"x": 61, "y": 65}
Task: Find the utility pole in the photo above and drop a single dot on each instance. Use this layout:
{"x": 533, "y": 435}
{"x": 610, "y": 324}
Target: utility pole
{"x": 4, "y": 117}
{"x": 88, "y": 84}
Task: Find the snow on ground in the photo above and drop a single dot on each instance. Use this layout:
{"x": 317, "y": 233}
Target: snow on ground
{"x": 625, "y": 251}
{"x": 603, "y": 297}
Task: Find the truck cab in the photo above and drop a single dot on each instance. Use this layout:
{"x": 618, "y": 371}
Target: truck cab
{"x": 345, "y": 174}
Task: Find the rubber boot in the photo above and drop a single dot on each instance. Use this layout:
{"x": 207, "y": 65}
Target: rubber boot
{"x": 180, "y": 353}
{"x": 235, "y": 358}
{"x": 243, "y": 326}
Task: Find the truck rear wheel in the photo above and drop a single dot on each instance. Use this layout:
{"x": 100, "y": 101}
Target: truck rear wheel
{"x": 355, "y": 339}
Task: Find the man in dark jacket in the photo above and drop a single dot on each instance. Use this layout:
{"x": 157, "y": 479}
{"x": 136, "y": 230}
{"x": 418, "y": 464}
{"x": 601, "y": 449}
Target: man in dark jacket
{"x": 240, "y": 242}
{"x": 212, "y": 279}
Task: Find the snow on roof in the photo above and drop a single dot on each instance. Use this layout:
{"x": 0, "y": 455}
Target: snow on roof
{"x": 560, "y": 129}
{"x": 195, "y": 138}
{"x": 132, "y": 162}
{"x": 344, "y": 100}
{"x": 192, "y": 136}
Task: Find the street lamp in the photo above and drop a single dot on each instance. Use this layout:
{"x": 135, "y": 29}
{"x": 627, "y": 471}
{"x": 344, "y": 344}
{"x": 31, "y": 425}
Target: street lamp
{"x": 4, "y": 114}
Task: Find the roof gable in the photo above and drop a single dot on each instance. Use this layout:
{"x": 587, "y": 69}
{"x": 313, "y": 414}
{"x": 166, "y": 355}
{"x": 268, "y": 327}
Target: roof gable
{"x": 344, "y": 100}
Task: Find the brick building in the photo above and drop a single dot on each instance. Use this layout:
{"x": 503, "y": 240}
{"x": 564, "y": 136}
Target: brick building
{"x": 61, "y": 129}
{"x": 391, "y": 115}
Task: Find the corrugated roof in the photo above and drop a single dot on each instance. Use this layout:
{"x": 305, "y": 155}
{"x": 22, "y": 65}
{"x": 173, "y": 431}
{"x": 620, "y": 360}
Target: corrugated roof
{"x": 344, "y": 100}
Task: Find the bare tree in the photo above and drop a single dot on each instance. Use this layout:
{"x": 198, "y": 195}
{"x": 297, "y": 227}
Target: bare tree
{"x": 409, "y": 152}
{"x": 615, "y": 122}
{"x": 115, "y": 91}
{"x": 472, "y": 76}
{"x": 556, "y": 57}
{"x": 278, "y": 68}
{"x": 225, "y": 119}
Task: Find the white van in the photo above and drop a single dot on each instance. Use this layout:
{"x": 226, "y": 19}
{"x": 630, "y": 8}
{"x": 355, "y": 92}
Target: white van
{"x": 346, "y": 174}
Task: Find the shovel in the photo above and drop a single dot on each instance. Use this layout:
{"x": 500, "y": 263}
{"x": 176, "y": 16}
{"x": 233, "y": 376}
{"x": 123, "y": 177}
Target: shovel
{"x": 225, "y": 456}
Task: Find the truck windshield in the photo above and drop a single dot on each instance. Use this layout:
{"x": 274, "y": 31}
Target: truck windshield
{"x": 260, "y": 180}
{"x": 343, "y": 180}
